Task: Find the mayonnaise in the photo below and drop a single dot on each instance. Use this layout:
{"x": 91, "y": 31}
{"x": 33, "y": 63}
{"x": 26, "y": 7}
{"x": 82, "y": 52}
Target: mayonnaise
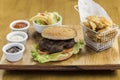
{"x": 16, "y": 38}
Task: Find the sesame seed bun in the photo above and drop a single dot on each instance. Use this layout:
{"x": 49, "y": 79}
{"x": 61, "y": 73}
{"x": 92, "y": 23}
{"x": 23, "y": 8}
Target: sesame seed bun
{"x": 58, "y": 33}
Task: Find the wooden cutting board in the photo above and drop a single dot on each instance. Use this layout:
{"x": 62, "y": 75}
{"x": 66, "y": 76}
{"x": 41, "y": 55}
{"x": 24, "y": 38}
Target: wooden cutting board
{"x": 86, "y": 59}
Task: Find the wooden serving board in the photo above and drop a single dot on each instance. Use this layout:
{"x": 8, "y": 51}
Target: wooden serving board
{"x": 86, "y": 59}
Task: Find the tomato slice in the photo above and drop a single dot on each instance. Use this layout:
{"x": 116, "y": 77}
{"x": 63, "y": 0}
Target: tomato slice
{"x": 42, "y": 52}
{"x": 43, "y": 14}
{"x": 67, "y": 50}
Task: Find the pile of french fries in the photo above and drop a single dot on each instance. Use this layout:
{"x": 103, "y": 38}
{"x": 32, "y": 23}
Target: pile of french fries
{"x": 102, "y": 26}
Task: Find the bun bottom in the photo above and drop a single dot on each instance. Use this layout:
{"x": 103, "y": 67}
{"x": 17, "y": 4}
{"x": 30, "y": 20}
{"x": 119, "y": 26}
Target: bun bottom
{"x": 64, "y": 56}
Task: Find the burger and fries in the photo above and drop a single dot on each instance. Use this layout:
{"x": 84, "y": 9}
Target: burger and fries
{"x": 58, "y": 43}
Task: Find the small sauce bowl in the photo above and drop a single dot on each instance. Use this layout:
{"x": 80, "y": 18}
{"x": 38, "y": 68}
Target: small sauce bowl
{"x": 16, "y": 56}
{"x": 17, "y": 37}
{"x": 20, "y": 25}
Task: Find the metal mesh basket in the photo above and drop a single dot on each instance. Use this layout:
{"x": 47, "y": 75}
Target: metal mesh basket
{"x": 99, "y": 41}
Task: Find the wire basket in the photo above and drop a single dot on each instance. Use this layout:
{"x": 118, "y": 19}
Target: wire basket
{"x": 99, "y": 41}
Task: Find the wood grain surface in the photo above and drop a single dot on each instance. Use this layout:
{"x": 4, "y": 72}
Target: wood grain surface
{"x": 25, "y": 9}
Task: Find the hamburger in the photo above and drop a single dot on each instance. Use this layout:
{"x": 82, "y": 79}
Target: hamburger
{"x": 57, "y": 44}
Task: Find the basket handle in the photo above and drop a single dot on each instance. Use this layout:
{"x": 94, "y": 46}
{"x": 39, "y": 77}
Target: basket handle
{"x": 76, "y": 8}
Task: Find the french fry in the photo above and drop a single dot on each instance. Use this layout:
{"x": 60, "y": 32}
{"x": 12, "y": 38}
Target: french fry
{"x": 98, "y": 23}
{"x": 104, "y": 29}
{"x": 87, "y": 24}
{"x": 93, "y": 25}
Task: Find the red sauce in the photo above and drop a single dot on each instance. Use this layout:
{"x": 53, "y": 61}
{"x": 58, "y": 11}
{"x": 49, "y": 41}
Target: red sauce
{"x": 20, "y": 25}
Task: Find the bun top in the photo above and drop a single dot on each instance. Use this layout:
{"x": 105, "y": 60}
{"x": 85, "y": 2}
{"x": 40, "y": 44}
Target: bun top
{"x": 58, "y": 33}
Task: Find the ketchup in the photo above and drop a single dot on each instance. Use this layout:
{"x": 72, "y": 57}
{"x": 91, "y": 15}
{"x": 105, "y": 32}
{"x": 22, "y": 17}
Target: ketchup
{"x": 20, "y": 25}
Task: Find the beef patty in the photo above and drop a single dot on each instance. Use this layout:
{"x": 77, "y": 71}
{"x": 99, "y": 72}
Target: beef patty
{"x": 53, "y": 46}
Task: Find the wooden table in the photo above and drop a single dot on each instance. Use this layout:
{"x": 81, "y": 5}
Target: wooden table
{"x": 25, "y": 9}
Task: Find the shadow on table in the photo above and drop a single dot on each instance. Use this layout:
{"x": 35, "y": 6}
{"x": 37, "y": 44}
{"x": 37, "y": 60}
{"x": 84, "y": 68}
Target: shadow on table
{"x": 58, "y": 75}
{"x": 89, "y": 72}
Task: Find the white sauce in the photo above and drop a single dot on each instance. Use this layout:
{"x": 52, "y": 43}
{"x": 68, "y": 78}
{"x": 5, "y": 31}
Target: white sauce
{"x": 17, "y": 38}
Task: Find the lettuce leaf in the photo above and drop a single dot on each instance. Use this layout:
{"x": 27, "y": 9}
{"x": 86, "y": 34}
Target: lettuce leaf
{"x": 57, "y": 16}
{"x": 77, "y": 47}
{"x": 42, "y": 58}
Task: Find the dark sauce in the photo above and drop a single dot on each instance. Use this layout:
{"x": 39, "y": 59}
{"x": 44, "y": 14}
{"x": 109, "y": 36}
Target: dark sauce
{"x": 13, "y": 49}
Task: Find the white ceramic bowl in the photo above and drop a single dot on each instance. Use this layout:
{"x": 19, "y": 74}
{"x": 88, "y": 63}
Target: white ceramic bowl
{"x": 17, "y": 33}
{"x": 25, "y": 29}
{"x": 12, "y": 57}
{"x": 39, "y": 28}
